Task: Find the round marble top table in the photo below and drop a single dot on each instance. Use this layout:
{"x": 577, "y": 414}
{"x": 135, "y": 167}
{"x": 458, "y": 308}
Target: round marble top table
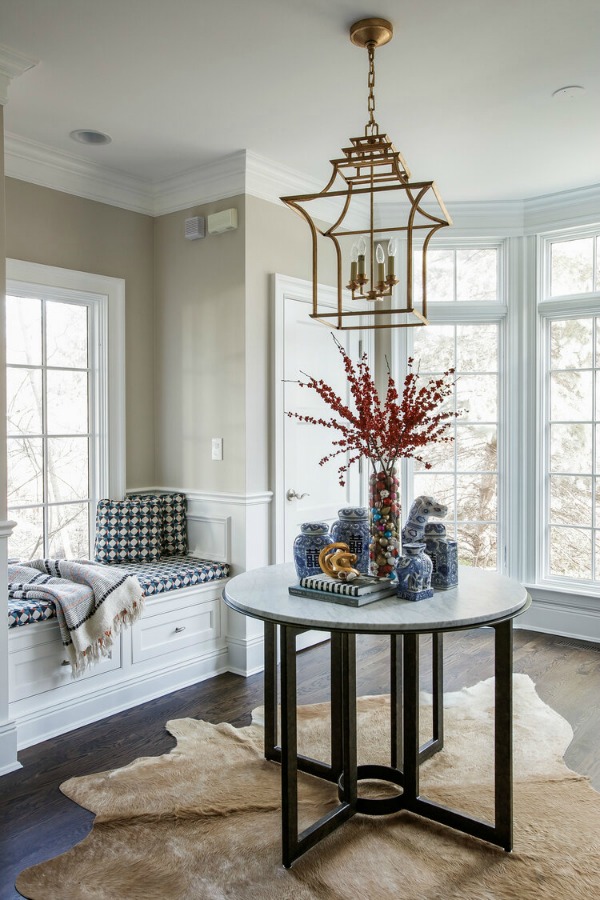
{"x": 480, "y": 598}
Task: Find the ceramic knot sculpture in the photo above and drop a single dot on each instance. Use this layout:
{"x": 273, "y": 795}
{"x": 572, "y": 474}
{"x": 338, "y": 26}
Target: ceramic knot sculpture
{"x": 418, "y": 516}
{"x": 337, "y": 561}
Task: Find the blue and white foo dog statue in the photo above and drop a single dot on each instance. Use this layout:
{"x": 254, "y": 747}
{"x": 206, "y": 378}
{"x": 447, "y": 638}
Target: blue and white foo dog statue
{"x": 429, "y": 560}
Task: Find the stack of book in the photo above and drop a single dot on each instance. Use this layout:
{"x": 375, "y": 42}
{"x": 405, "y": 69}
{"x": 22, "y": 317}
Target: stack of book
{"x": 359, "y": 592}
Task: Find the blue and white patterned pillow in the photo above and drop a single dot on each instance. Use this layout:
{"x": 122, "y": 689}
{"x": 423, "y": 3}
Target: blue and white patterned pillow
{"x": 174, "y": 521}
{"x": 128, "y": 530}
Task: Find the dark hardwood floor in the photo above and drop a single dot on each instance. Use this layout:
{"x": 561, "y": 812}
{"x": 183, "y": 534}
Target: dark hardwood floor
{"x": 38, "y": 822}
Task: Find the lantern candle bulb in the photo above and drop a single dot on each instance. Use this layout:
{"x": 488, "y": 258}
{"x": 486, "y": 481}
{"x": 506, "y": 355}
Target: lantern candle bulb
{"x": 392, "y": 248}
{"x": 354, "y": 263}
{"x": 380, "y": 257}
{"x": 362, "y": 249}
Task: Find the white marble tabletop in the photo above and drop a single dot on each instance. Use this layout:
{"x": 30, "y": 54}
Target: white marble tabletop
{"x": 480, "y": 598}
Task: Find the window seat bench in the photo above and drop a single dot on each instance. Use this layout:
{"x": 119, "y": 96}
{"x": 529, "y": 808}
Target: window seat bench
{"x": 170, "y": 573}
{"x": 179, "y": 640}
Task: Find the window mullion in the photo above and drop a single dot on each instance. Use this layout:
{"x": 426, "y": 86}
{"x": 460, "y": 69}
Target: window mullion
{"x": 45, "y": 456}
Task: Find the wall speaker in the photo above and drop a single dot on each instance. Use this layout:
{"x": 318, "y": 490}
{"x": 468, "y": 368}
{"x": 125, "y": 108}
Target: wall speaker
{"x": 195, "y": 228}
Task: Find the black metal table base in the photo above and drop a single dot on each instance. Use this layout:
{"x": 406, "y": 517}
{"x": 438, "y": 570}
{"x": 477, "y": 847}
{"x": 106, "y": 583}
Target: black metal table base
{"x": 406, "y": 752}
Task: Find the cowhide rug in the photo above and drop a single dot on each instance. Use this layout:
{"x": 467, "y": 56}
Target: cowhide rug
{"x": 203, "y": 821}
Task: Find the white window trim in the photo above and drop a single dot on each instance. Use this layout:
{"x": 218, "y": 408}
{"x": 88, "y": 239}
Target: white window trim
{"x": 548, "y": 311}
{"x": 545, "y": 239}
{"x": 471, "y": 312}
{"x": 106, "y": 295}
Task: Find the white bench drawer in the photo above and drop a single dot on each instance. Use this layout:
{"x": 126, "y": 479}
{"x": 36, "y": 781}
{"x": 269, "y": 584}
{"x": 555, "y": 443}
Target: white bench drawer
{"x": 181, "y": 628}
{"x": 38, "y": 667}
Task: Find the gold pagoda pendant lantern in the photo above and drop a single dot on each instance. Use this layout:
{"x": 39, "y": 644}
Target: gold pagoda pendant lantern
{"x": 376, "y": 219}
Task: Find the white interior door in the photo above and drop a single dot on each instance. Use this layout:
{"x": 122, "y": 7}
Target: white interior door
{"x": 306, "y": 491}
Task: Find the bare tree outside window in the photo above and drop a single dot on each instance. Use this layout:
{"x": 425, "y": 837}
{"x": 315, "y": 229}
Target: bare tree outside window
{"x": 464, "y": 475}
{"x": 573, "y": 431}
{"x": 48, "y": 426}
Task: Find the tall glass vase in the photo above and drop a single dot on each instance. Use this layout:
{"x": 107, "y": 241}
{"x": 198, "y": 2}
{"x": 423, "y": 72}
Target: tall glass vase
{"x": 384, "y": 520}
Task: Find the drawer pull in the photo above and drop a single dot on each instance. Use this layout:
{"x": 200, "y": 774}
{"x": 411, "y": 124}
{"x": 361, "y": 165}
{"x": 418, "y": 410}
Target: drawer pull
{"x": 65, "y": 662}
{"x": 179, "y": 629}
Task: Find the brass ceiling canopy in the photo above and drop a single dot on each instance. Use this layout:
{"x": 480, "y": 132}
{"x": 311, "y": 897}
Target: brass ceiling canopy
{"x": 375, "y": 210}
{"x": 371, "y": 31}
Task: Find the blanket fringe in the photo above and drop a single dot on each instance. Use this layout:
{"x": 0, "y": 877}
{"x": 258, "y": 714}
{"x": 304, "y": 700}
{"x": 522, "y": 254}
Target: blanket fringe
{"x": 101, "y": 649}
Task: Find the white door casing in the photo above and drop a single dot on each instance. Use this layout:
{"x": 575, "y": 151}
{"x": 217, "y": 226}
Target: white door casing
{"x": 302, "y": 345}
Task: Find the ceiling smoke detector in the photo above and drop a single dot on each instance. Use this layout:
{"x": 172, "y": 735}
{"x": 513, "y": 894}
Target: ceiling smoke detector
{"x": 89, "y": 136}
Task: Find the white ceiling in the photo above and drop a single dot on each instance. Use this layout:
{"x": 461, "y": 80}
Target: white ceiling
{"x": 464, "y": 89}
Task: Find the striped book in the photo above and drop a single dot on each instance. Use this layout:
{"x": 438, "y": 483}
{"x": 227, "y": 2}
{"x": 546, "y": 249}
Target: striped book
{"x": 359, "y": 587}
{"x": 296, "y": 590}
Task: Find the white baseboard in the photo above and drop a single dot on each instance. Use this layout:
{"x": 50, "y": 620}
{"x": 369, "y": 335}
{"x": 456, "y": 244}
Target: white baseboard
{"x": 246, "y": 655}
{"x": 8, "y": 748}
{"x": 561, "y": 620}
{"x": 62, "y": 717}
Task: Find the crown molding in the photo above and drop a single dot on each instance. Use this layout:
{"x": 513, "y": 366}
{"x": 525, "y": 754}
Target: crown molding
{"x": 497, "y": 217}
{"x": 246, "y": 172}
{"x": 269, "y": 180}
{"x": 567, "y": 209}
{"x": 12, "y": 64}
{"x": 28, "y": 160}
{"x": 226, "y": 177}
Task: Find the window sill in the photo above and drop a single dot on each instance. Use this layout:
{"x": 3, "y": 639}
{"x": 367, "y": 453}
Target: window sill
{"x": 578, "y": 596}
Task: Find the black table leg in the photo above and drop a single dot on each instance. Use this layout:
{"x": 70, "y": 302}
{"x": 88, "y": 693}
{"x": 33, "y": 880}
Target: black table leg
{"x": 438, "y": 690}
{"x": 270, "y": 690}
{"x": 289, "y": 747}
{"x": 503, "y": 751}
{"x": 397, "y": 701}
{"x": 411, "y": 718}
{"x": 344, "y": 745}
{"x": 337, "y": 704}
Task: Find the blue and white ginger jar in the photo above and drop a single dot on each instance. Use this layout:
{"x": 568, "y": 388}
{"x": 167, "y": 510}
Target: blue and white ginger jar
{"x": 414, "y": 573}
{"x": 313, "y": 537}
{"x": 443, "y": 553}
{"x": 352, "y": 528}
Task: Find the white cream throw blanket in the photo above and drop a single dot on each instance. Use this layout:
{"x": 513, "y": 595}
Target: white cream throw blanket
{"x": 92, "y": 602}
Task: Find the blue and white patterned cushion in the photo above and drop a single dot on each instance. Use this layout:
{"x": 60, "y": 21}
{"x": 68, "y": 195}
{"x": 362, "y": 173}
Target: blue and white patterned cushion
{"x": 175, "y": 572}
{"x": 128, "y": 530}
{"x": 155, "y": 578}
{"x": 173, "y": 509}
{"x": 23, "y": 612}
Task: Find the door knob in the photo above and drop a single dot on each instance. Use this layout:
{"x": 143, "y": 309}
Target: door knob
{"x": 292, "y": 495}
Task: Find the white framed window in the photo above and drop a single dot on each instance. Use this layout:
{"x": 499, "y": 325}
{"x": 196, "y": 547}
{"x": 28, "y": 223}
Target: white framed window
{"x": 466, "y": 290}
{"x": 569, "y": 410}
{"x": 65, "y": 405}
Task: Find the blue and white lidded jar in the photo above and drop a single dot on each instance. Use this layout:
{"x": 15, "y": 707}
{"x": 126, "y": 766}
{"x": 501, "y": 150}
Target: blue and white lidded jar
{"x": 313, "y": 537}
{"x": 444, "y": 556}
{"x": 414, "y": 573}
{"x": 352, "y": 528}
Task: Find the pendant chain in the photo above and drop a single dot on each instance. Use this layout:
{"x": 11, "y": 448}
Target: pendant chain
{"x": 371, "y": 127}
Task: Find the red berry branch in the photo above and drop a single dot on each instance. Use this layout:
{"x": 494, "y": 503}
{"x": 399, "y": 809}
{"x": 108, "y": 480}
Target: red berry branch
{"x": 383, "y": 432}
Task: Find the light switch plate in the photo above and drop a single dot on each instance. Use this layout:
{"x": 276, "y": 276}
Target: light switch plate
{"x": 217, "y": 448}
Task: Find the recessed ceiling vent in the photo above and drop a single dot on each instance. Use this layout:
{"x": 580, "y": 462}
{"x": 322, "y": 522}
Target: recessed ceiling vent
{"x": 88, "y": 136}
{"x": 569, "y": 92}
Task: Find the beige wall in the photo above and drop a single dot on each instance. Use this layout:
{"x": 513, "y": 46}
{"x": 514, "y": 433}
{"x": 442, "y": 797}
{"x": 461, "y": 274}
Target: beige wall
{"x": 277, "y": 242}
{"x": 200, "y": 352}
{"x": 58, "y": 229}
